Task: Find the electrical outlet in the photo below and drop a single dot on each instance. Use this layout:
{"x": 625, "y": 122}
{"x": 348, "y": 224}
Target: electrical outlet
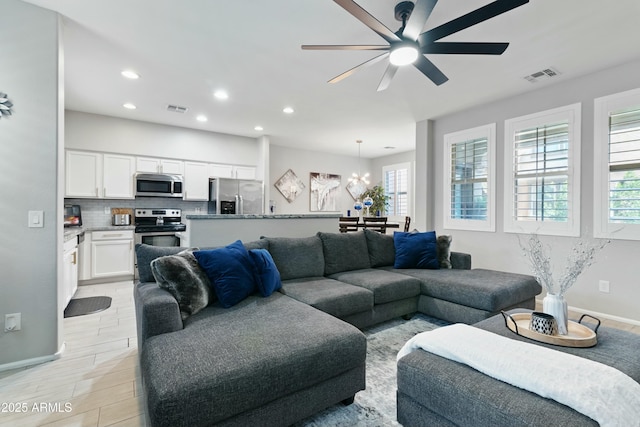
{"x": 603, "y": 286}
{"x": 107, "y": 210}
{"x": 12, "y": 322}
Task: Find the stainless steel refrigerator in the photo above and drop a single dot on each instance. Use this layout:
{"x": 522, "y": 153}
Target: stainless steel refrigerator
{"x": 235, "y": 196}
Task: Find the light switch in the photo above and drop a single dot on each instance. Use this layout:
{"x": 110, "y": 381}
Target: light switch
{"x": 36, "y": 219}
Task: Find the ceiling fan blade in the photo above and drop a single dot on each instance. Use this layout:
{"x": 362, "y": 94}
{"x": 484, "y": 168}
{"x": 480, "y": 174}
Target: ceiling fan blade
{"x": 464, "y": 48}
{"x": 386, "y": 78}
{"x": 343, "y": 47}
{"x": 430, "y": 70}
{"x": 421, "y": 12}
{"x": 371, "y": 61}
{"x": 489, "y": 11}
{"x": 367, "y": 19}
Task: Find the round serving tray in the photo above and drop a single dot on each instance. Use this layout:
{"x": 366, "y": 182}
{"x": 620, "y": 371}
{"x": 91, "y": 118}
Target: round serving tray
{"x": 578, "y": 334}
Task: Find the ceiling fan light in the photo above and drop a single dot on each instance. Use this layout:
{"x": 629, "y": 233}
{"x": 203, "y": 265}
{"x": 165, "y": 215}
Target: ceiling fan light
{"x": 404, "y": 54}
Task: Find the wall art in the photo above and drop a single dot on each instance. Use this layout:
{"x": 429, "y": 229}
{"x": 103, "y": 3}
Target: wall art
{"x": 325, "y": 191}
{"x": 356, "y": 188}
{"x": 290, "y": 186}
{"x": 5, "y": 105}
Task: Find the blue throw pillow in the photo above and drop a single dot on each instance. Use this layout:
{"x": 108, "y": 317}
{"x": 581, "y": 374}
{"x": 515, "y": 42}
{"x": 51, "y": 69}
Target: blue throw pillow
{"x": 230, "y": 271}
{"x": 268, "y": 274}
{"x": 416, "y": 250}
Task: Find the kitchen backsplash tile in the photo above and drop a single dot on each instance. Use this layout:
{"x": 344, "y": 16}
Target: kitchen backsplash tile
{"x": 93, "y": 210}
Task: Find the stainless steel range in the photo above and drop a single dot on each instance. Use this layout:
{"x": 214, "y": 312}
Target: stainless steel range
{"x": 159, "y": 226}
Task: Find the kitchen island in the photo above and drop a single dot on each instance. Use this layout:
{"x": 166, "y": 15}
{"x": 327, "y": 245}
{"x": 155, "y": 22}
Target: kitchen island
{"x": 220, "y": 230}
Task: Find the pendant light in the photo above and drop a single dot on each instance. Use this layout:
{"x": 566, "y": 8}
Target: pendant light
{"x": 356, "y": 177}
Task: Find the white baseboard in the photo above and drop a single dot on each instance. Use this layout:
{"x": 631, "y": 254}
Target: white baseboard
{"x": 34, "y": 361}
{"x": 600, "y": 315}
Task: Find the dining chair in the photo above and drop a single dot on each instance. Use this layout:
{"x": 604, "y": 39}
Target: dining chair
{"x": 348, "y": 223}
{"x": 376, "y": 223}
{"x": 407, "y": 221}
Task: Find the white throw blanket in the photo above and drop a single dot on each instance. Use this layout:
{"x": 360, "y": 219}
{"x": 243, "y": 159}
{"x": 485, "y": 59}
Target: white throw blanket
{"x": 598, "y": 391}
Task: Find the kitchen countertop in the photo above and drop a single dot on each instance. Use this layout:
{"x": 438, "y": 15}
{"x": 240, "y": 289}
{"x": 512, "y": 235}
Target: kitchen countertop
{"x": 73, "y": 232}
{"x": 277, "y": 216}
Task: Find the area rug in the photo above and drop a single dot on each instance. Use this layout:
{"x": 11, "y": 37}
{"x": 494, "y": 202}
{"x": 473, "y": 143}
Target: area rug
{"x": 89, "y": 305}
{"x": 376, "y": 406}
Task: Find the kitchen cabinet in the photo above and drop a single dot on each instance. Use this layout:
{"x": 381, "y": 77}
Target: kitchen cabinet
{"x": 196, "y": 181}
{"x": 220, "y": 171}
{"x": 244, "y": 172}
{"x": 151, "y": 165}
{"x": 98, "y": 175}
{"x": 83, "y": 174}
{"x": 111, "y": 253}
{"x": 70, "y": 270}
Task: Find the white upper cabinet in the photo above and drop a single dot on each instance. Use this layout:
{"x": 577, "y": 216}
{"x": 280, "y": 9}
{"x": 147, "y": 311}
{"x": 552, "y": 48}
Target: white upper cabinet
{"x": 244, "y": 172}
{"x": 83, "y": 174}
{"x": 196, "y": 181}
{"x": 98, "y": 175}
{"x": 152, "y": 165}
{"x": 220, "y": 171}
{"x": 118, "y": 172}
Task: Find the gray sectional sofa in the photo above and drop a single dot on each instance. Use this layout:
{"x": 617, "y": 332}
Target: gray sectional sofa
{"x": 278, "y": 359}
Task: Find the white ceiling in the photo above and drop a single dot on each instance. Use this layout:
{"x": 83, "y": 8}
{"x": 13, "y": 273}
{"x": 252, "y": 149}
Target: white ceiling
{"x": 186, "y": 49}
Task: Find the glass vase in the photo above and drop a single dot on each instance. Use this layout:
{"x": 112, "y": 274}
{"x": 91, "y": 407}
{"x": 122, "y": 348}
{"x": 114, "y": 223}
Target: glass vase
{"x": 556, "y": 306}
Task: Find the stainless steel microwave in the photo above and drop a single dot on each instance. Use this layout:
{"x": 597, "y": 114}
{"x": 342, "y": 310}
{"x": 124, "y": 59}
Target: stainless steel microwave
{"x": 158, "y": 185}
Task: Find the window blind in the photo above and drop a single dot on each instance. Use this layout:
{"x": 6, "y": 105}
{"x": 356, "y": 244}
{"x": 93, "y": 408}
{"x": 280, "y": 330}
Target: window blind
{"x": 624, "y": 167}
{"x": 469, "y": 175}
{"x": 541, "y": 173}
{"x": 396, "y": 185}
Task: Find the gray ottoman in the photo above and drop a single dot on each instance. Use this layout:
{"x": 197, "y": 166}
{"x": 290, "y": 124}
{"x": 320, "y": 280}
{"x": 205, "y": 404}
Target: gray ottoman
{"x": 436, "y": 391}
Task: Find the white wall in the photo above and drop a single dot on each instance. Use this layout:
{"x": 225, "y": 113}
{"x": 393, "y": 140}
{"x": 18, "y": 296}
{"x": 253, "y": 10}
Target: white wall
{"x": 110, "y": 134}
{"x": 30, "y": 168}
{"x": 302, "y": 163}
{"x": 618, "y": 262}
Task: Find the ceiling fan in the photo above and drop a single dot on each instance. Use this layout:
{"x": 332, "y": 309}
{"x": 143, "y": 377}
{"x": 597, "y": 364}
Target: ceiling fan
{"x": 407, "y": 46}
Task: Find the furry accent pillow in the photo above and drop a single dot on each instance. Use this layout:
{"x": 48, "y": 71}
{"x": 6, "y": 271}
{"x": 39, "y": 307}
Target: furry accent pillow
{"x": 182, "y": 277}
{"x": 442, "y": 248}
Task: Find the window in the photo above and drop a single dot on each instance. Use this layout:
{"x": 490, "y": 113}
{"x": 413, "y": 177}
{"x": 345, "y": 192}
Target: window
{"x": 396, "y": 187}
{"x": 617, "y": 166}
{"x": 469, "y": 159}
{"x": 542, "y": 172}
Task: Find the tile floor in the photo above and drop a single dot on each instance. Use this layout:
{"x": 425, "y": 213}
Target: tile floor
{"x": 97, "y": 381}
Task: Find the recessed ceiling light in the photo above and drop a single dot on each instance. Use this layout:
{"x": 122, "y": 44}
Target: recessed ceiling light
{"x": 129, "y": 106}
{"x": 201, "y": 118}
{"x": 258, "y": 128}
{"x": 221, "y": 95}
{"x": 287, "y": 110}
{"x": 130, "y": 74}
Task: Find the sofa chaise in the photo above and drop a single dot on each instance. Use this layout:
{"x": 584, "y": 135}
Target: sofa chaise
{"x": 279, "y": 359}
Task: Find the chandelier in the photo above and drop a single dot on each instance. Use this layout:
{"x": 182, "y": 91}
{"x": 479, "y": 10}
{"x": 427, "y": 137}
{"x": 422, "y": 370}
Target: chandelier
{"x": 356, "y": 177}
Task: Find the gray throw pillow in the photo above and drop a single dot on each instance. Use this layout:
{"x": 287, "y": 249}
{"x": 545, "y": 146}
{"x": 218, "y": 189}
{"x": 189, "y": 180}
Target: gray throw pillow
{"x": 443, "y": 244}
{"x": 147, "y": 253}
{"x": 182, "y": 277}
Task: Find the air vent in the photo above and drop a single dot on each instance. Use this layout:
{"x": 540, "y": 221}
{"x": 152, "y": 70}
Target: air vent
{"x": 177, "y": 109}
{"x": 542, "y": 75}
